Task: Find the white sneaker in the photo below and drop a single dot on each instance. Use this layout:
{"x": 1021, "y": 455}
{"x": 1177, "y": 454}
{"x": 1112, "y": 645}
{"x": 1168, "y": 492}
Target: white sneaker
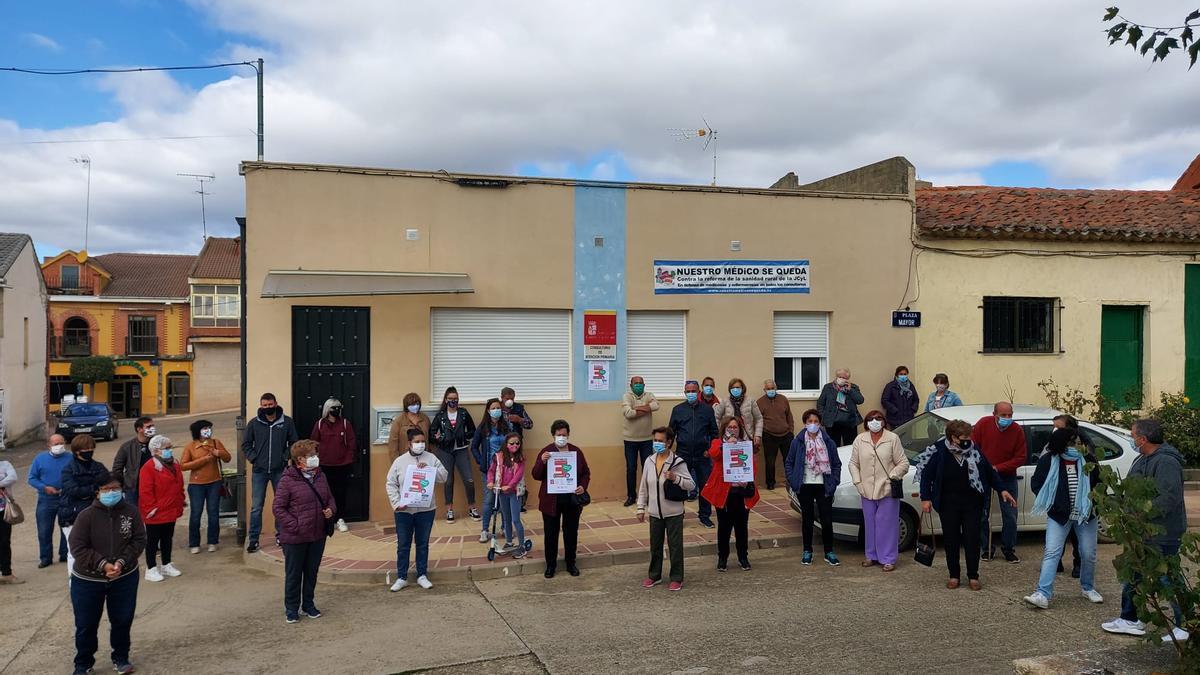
{"x": 153, "y": 574}
{"x": 194, "y": 550}
{"x": 1180, "y": 634}
{"x": 212, "y": 548}
{"x": 483, "y": 537}
{"x": 341, "y": 526}
{"x": 1094, "y": 596}
{"x": 424, "y": 582}
{"x": 398, "y": 584}
{"x": 169, "y": 570}
{"x": 1123, "y": 627}
{"x": 1037, "y": 600}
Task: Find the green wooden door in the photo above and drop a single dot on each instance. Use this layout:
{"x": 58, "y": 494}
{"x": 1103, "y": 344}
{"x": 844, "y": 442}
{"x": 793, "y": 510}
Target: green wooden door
{"x": 1191, "y": 332}
{"x": 1121, "y": 355}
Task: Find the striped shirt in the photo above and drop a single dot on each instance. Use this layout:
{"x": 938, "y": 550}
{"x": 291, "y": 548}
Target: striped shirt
{"x": 1072, "y": 469}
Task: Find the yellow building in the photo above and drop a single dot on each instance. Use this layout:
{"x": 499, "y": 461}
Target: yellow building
{"x": 132, "y": 307}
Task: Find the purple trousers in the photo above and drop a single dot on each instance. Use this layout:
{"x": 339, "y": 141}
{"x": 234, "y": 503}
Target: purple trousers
{"x": 881, "y": 518}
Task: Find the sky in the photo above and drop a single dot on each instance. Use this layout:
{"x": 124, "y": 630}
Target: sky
{"x": 1021, "y": 93}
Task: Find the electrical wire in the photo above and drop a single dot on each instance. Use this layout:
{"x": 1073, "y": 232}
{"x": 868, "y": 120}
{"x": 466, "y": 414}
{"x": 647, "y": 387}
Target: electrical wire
{"x": 125, "y": 140}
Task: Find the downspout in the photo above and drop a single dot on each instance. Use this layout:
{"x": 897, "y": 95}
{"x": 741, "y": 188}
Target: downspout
{"x": 241, "y": 419}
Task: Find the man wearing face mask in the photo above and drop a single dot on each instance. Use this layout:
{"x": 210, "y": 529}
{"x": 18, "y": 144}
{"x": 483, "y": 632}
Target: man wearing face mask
{"x": 1002, "y": 441}
{"x": 132, "y": 454}
{"x": 45, "y": 477}
{"x": 637, "y": 409}
{"x": 779, "y": 428}
{"x": 81, "y": 477}
{"x": 695, "y": 427}
{"x": 338, "y": 444}
{"x": 266, "y": 444}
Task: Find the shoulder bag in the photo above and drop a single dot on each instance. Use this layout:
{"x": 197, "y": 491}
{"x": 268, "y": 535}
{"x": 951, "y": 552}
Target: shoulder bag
{"x": 671, "y": 489}
{"x": 897, "y": 484}
{"x": 13, "y": 515}
{"x": 925, "y": 552}
{"x": 330, "y": 523}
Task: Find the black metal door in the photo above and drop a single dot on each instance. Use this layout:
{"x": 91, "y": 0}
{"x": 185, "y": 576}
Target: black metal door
{"x": 331, "y": 356}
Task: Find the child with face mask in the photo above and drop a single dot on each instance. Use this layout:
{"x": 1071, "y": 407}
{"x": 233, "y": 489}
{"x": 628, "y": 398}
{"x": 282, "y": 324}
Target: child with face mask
{"x": 506, "y": 478}
{"x": 413, "y": 523}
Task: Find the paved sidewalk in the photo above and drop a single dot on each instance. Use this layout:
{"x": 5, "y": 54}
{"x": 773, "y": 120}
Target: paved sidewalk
{"x": 608, "y": 534}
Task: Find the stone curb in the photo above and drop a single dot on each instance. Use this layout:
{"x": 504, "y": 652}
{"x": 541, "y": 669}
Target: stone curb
{"x": 270, "y": 565}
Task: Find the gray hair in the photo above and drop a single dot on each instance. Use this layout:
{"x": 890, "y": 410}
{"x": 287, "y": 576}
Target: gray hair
{"x": 1150, "y": 429}
{"x": 768, "y": 383}
{"x": 331, "y": 402}
{"x": 158, "y": 443}
{"x": 842, "y": 372}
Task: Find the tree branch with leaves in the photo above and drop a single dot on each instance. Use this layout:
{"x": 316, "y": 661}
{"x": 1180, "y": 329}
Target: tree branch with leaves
{"x": 1158, "y": 39}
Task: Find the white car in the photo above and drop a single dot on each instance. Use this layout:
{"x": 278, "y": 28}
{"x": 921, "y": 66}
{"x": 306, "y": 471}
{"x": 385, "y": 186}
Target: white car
{"x": 1113, "y": 447}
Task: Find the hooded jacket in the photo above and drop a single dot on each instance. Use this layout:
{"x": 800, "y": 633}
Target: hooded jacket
{"x": 1165, "y": 468}
{"x": 103, "y": 535}
{"x": 336, "y": 439}
{"x": 266, "y": 444}
{"x": 80, "y": 480}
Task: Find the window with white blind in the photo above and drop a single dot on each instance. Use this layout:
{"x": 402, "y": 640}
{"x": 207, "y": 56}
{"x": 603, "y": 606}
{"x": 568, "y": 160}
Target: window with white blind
{"x": 656, "y": 349}
{"x": 801, "y": 352}
{"x": 481, "y": 351}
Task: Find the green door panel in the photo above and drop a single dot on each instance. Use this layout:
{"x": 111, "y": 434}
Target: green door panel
{"x": 1121, "y": 355}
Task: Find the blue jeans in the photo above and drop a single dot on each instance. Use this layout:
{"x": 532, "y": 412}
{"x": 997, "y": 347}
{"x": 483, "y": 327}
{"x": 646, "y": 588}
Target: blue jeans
{"x": 1008, "y": 515}
{"x": 89, "y": 599}
{"x": 410, "y": 526}
{"x": 1128, "y": 610}
{"x": 635, "y": 452}
{"x": 1056, "y": 539}
{"x": 46, "y": 515}
{"x": 258, "y": 497}
{"x": 200, "y": 498}
{"x": 700, "y": 469}
{"x": 510, "y": 510}
{"x": 489, "y": 507}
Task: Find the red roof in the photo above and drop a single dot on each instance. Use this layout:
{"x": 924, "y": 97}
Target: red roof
{"x": 1190, "y": 180}
{"x": 1066, "y": 215}
{"x": 146, "y": 275}
{"x": 219, "y": 259}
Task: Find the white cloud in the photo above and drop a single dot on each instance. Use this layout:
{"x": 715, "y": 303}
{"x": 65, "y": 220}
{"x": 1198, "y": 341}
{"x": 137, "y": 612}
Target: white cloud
{"x": 964, "y": 178}
{"x": 480, "y": 86}
{"x": 43, "y": 42}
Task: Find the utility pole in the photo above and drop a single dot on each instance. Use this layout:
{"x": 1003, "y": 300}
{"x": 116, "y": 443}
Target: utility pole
{"x": 260, "y": 109}
{"x": 201, "y": 178}
{"x": 87, "y": 212}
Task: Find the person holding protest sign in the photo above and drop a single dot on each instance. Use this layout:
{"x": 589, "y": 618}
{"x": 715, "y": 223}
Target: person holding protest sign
{"x": 733, "y": 499}
{"x": 669, "y": 479}
{"x": 813, "y": 469}
{"x": 410, "y": 485}
{"x": 564, "y": 474}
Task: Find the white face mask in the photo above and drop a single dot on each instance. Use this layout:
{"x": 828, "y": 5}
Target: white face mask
{"x": 312, "y": 461}
{"x": 57, "y": 450}
{"x": 560, "y": 441}
{"x": 206, "y": 433}
{"x": 875, "y": 425}
{"x": 841, "y": 381}
{"x": 149, "y": 431}
{"x": 508, "y": 403}
{"x": 414, "y": 408}
{"x": 418, "y": 447}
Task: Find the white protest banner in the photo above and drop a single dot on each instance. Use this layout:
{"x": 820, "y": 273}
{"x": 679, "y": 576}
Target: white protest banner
{"x": 737, "y": 460}
{"x": 417, "y": 488}
{"x": 731, "y": 276}
{"x": 562, "y": 473}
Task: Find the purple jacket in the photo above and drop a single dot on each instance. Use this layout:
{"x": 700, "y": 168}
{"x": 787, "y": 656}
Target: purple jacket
{"x": 297, "y": 509}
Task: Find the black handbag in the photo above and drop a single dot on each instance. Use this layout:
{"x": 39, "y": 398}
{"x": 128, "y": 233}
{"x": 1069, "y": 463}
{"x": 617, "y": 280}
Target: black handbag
{"x": 897, "y": 484}
{"x": 925, "y": 552}
{"x": 671, "y": 489}
{"x": 582, "y": 499}
{"x": 330, "y": 523}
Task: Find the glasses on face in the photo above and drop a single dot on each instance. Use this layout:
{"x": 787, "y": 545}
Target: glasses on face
{"x": 514, "y": 445}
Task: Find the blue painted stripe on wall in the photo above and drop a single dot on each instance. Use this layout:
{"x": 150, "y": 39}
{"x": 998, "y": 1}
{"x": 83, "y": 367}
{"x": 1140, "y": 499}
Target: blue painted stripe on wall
{"x": 599, "y": 279}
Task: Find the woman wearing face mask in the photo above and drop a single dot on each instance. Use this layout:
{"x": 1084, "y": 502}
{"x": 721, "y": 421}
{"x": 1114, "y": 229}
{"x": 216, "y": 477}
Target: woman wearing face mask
{"x": 413, "y": 523}
{"x": 900, "y": 400}
{"x": 453, "y": 430}
{"x": 106, "y": 541}
{"x": 708, "y": 392}
{"x": 744, "y": 409}
{"x": 304, "y": 508}
{"x": 733, "y": 501}
{"x": 202, "y": 458}
{"x": 339, "y": 446}
{"x": 561, "y": 511}
{"x": 665, "y": 507}
{"x": 813, "y": 470}
{"x": 486, "y": 442}
{"x": 8, "y": 478}
{"x": 505, "y": 477}
{"x": 941, "y": 396}
{"x": 80, "y": 480}
{"x": 954, "y": 477}
{"x": 160, "y": 500}
{"x": 411, "y": 418}
{"x": 877, "y": 458}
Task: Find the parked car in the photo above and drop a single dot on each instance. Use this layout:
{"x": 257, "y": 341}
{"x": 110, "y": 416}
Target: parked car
{"x": 1113, "y": 447}
{"x": 96, "y": 419}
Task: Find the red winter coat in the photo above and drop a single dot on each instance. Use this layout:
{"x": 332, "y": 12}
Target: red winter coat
{"x": 717, "y": 490}
{"x": 160, "y": 490}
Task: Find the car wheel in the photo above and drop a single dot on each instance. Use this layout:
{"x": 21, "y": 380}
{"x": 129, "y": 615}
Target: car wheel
{"x": 112, "y": 434}
{"x": 908, "y": 527}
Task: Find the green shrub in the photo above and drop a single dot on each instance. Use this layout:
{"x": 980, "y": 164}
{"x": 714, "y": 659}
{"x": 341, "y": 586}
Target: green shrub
{"x": 92, "y": 369}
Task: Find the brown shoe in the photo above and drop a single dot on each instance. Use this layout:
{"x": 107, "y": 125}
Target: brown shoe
{"x": 868, "y": 563}
{"x": 952, "y": 584}
{"x": 888, "y": 568}
{"x": 11, "y": 580}
{"x": 974, "y": 584}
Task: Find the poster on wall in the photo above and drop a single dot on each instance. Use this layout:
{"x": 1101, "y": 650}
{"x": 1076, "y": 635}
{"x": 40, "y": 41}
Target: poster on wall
{"x": 738, "y": 462}
{"x": 599, "y": 335}
{"x": 730, "y": 276}
{"x": 598, "y": 375}
{"x": 562, "y": 473}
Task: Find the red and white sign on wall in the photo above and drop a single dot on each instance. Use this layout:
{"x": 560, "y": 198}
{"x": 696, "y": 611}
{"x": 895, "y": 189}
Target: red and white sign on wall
{"x": 599, "y": 335}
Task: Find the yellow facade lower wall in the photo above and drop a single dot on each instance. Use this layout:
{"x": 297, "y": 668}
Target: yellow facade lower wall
{"x": 153, "y": 383}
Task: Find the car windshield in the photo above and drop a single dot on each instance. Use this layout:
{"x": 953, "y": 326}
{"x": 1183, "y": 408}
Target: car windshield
{"x": 920, "y": 432}
{"x": 86, "y": 410}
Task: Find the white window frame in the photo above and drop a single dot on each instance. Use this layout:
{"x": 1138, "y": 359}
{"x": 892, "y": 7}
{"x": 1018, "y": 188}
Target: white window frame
{"x": 556, "y": 378}
{"x": 797, "y": 356}
{"x": 657, "y": 383}
{"x": 220, "y": 307}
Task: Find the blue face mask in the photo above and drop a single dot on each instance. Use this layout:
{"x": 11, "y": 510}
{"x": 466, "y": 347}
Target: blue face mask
{"x": 691, "y": 396}
{"x": 736, "y": 392}
{"x": 660, "y": 447}
{"x": 1004, "y": 422}
{"x": 708, "y": 390}
{"x": 771, "y": 393}
{"x": 167, "y": 454}
{"x": 812, "y": 428}
{"x": 902, "y": 378}
{"x": 111, "y": 498}
{"x": 495, "y": 413}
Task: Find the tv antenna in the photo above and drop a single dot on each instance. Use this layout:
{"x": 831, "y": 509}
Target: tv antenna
{"x": 87, "y": 209}
{"x": 708, "y": 134}
{"x": 201, "y": 178}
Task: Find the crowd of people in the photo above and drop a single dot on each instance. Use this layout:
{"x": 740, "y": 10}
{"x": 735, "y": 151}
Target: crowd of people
{"x": 109, "y": 519}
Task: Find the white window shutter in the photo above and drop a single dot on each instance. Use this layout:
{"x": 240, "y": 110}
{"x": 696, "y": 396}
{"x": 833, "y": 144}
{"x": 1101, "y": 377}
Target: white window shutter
{"x": 656, "y": 349}
{"x": 480, "y": 351}
{"x": 799, "y": 334}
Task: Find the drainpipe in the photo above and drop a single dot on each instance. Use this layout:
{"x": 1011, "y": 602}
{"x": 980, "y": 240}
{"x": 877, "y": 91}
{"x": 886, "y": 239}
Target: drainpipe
{"x": 240, "y": 492}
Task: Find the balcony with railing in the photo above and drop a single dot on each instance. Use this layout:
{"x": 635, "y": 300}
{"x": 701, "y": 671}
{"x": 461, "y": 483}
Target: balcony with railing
{"x": 69, "y": 346}
{"x": 141, "y": 345}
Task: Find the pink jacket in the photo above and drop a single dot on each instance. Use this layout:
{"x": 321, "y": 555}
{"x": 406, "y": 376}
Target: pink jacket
{"x": 510, "y": 476}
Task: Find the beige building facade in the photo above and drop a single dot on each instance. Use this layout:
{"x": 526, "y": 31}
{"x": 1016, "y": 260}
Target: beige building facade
{"x": 368, "y": 284}
{"x": 23, "y": 301}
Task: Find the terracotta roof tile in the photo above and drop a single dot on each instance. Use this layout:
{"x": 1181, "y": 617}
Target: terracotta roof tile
{"x": 1190, "y": 180}
{"x": 219, "y": 259}
{"x": 146, "y": 275}
{"x": 1067, "y": 215}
